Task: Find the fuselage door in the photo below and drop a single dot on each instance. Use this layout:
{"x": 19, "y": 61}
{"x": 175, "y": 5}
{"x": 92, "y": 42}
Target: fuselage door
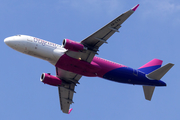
{"x": 135, "y": 72}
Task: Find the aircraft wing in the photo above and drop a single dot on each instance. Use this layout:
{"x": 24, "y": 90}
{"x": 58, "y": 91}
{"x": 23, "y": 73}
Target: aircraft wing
{"x": 66, "y": 91}
{"x": 94, "y": 41}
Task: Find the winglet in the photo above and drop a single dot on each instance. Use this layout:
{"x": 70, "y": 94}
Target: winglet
{"x": 135, "y": 7}
{"x": 70, "y": 111}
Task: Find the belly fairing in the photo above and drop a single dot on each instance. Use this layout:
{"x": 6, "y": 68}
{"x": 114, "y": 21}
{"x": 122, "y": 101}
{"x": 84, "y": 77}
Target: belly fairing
{"x": 78, "y": 66}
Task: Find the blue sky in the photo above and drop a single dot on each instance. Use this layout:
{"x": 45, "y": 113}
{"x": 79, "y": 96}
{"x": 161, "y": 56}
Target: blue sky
{"x": 151, "y": 32}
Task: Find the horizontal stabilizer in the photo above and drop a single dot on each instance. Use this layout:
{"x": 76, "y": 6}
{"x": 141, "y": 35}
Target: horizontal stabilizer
{"x": 160, "y": 72}
{"x": 157, "y": 75}
{"x": 148, "y": 92}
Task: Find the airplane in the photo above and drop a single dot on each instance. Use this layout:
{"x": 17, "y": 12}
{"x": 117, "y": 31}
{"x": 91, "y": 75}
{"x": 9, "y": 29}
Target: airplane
{"x": 73, "y": 60}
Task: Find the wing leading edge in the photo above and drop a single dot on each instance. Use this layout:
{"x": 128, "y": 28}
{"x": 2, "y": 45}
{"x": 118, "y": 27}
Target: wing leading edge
{"x": 94, "y": 41}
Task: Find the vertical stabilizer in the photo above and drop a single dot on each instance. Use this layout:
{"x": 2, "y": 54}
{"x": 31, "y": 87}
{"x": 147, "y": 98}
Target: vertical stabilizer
{"x": 151, "y": 66}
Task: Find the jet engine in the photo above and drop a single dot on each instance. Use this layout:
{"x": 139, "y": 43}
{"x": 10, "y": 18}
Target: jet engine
{"x": 72, "y": 45}
{"x": 50, "y": 79}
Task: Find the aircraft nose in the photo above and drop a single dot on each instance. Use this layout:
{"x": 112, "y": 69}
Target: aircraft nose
{"x": 6, "y": 40}
{"x": 9, "y": 41}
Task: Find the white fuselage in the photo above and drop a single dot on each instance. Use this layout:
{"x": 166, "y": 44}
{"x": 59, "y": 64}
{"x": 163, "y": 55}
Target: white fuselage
{"x": 36, "y": 47}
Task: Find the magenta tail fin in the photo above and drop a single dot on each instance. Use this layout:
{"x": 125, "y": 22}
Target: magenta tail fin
{"x": 151, "y": 66}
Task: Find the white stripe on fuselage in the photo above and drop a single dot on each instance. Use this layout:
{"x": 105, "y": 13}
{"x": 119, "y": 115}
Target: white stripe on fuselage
{"x": 36, "y": 47}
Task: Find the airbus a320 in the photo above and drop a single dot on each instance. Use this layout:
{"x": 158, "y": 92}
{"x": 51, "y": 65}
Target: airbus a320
{"x": 73, "y": 60}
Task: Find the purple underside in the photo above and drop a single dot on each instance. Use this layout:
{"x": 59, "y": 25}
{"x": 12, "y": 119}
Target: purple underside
{"x": 110, "y": 70}
{"x": 131, "y": 76}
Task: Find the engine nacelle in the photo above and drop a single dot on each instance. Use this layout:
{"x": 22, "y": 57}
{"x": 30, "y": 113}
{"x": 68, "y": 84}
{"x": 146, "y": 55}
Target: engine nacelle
{"x": 72, "y": 45}
{"x": 50, "y": 79}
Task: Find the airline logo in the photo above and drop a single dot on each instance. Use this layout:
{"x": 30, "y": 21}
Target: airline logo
{"x": 45, "y": 43}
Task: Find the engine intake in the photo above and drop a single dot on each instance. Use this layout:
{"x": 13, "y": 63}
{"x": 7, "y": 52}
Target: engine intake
{"x": 72, "y": 45}
{"x": 50, "y": 79}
